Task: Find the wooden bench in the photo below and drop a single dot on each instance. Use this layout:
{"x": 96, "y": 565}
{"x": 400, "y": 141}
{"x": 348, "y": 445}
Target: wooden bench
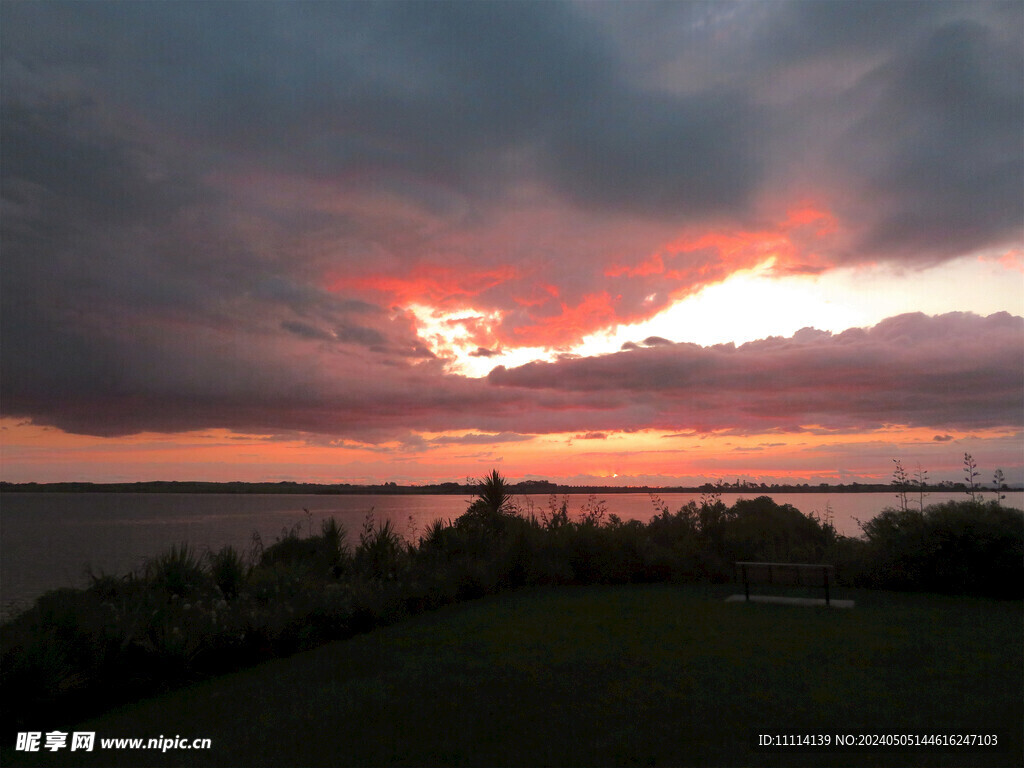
{"x": 787, "y": 574}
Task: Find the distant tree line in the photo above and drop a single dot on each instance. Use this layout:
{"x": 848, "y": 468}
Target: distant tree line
{"x": 526, "y": 487}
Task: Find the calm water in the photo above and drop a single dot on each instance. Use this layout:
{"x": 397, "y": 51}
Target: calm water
{"x": 47, "y": 540}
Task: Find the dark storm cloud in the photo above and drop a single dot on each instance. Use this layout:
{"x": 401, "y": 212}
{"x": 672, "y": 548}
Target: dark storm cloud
{"x": 914, "y": 130}
{"x": 411, "y": 88}
{"x": 204, "y": 379}
{"x": 947, "y": 117}
{"x": 666, "y": 156}
{"x": 480, "y": 94}
{"x": 903, "y": 118}
{"x": 796, "y": 32}
{"x": 306, "y": 331}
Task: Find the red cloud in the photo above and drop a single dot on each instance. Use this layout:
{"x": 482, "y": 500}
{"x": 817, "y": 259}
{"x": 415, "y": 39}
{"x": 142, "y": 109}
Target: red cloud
{"x": 556, "y": 275}
{"x": 697, "y": 258}
{"x": 595, "y": 311}
{"x": 428, "y": 284}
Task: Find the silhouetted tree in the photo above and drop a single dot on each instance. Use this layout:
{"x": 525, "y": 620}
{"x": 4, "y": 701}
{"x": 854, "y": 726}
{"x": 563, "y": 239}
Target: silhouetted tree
{"x": 999, "y": 481}
{"x": 971, "y": 476}
{"x": 901, "y": 483}
{"x": 921, "y": 476}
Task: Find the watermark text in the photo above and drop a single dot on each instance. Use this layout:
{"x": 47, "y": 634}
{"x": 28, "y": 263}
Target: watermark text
{"x": 86, "y": 741}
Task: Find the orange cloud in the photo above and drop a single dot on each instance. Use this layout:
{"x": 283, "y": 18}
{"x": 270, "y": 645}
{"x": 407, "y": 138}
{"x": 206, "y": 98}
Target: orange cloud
{"x": 805, "y": 215}
{"x": 428, "y": 283}
{"x": 597, "y": 310}
{"x": 696, "y": 259}
{"x": 594, "y": 285}
{"x": 652, "y": 265}
{"x": 539, "y": 294}
{"x": 478, "y": 331}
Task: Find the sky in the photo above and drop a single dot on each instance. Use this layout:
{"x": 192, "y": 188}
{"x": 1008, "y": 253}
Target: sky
{"x": 596, "y": 242}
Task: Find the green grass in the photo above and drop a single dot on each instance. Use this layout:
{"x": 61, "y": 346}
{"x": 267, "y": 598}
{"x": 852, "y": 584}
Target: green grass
{"x": 631, "y": 675}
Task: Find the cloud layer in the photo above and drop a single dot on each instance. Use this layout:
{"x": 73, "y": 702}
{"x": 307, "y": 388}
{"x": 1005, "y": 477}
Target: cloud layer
{"x": 219, "y": 215}
{"x": 952, "y": 371}
{"x": 956, "y": 371}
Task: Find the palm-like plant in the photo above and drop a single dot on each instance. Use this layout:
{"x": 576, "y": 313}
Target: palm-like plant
{"x": 178, "y": 570}
{"x": 380, "y": 552}
{"x": 493, "y": 494}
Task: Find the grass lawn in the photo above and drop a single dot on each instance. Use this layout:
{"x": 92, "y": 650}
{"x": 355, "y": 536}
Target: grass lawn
{"x": 639, "y": 675}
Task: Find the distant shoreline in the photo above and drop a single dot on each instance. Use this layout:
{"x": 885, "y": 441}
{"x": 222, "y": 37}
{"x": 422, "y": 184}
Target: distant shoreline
{"x": 442, "y": 489}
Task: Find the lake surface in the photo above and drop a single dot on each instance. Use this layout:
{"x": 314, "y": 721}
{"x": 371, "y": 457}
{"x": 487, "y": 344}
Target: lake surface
{"x": 47, "y": 540}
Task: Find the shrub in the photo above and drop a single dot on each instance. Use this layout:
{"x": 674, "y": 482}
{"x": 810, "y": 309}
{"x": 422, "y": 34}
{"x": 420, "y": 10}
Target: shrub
{"x": 686, "y": 544}
{"x": 333, "y": 545}
{"x": 228, "y": 571}
{"x": 381, "y": 553}
{"x": 761, "y": 529}
{"x": 325, "y": 553}
{"x": 178, "y": 571}
{"x": 967, "y": 547}
{"x": 289, "y": 549}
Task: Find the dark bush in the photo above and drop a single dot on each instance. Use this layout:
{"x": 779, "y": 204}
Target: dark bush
{"x": 967, "y": 547}
{"x": 762, "y": 530}
{"x": 326, "y": 553}
{"x": 228, "y": 571}
{"x": 381, "y": 552}
{"x": 178, "y": 571}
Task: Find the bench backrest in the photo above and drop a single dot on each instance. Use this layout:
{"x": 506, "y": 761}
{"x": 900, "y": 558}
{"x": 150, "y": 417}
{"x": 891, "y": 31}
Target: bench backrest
{"x": 786, "y": 574}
